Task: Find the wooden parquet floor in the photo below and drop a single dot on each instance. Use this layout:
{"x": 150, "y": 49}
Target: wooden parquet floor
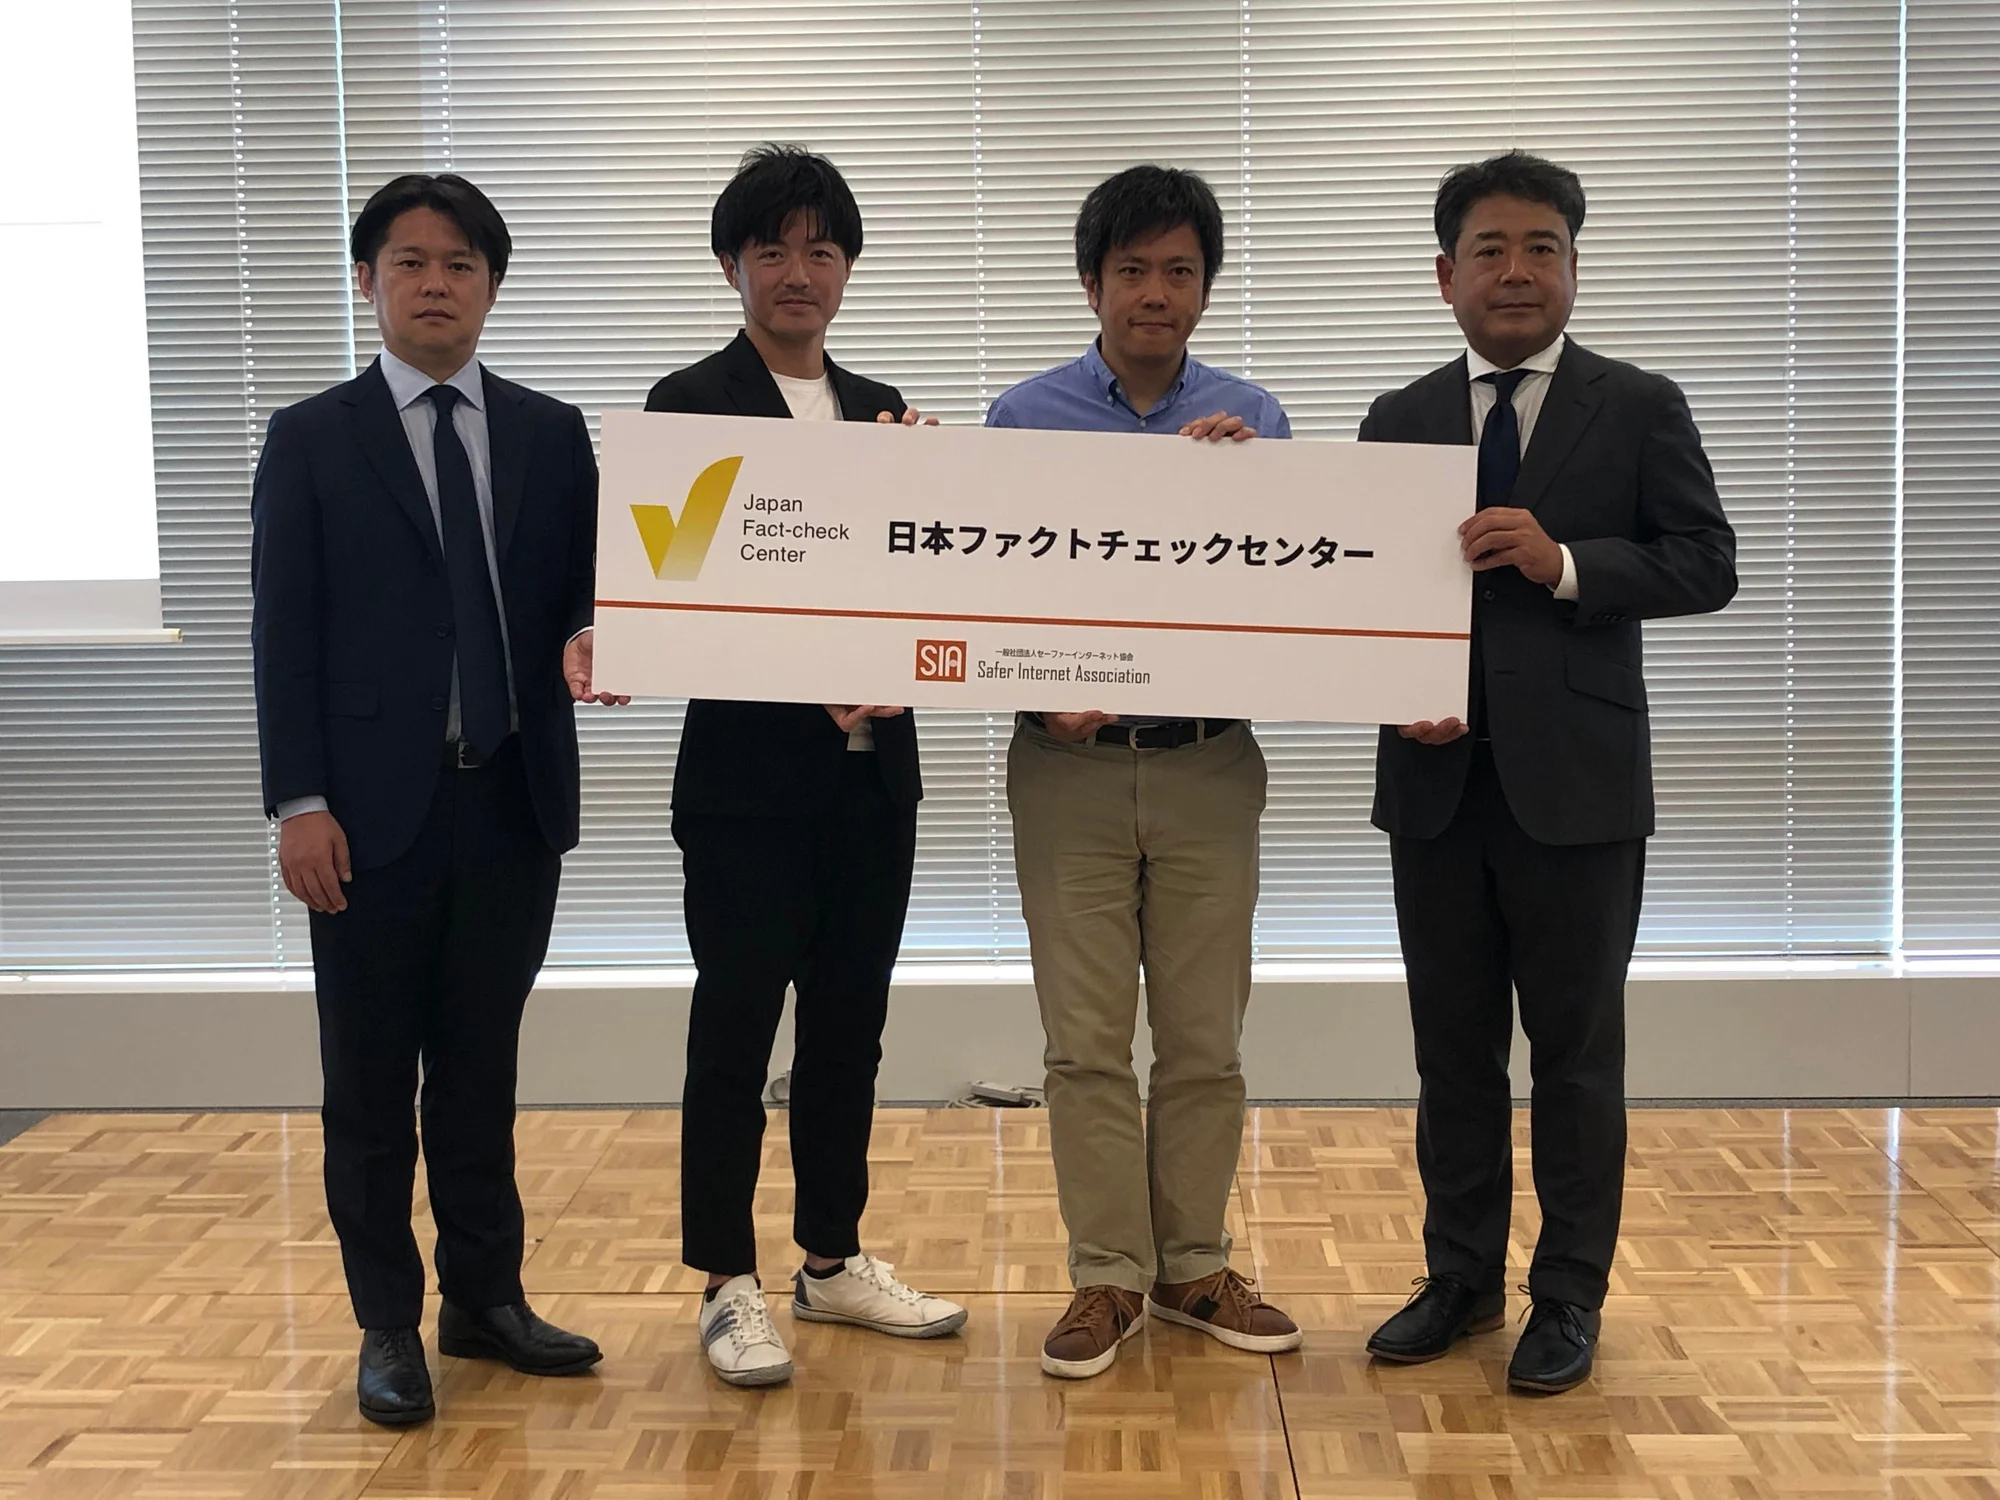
{"x": 1806, "y": 1303}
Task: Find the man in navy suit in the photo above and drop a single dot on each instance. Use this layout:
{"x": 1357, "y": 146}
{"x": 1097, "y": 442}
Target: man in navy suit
{"x": 423, "y": 567}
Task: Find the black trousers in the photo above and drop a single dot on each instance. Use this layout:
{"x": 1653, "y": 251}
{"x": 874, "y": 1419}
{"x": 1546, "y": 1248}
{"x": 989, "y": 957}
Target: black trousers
{"x": 817, "y": 904}
{"x": 431, "y": 965}
{"x": 1487, "y": 913}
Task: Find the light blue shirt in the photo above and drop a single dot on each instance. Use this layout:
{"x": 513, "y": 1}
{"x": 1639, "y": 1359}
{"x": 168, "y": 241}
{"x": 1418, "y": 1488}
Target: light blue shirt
{"x": 407, "y": 385}
{"x": 1085, "y": 396}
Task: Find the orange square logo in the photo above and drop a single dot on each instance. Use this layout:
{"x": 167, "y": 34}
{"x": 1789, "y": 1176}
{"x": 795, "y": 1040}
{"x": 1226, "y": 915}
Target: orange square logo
{"x": 940, "y": 661}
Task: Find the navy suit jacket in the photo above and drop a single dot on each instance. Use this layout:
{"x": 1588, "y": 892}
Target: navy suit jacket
{"x": 775, "y": 760}
{"x": 1615, "y": 470}
{"x": 352, "y": 620}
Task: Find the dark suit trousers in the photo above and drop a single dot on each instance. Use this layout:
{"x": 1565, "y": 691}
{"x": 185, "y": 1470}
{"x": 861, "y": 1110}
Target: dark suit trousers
{"x": 817, "y": 904}
{"x": 1486, "y": 913}
{"x": 431, "y": 965}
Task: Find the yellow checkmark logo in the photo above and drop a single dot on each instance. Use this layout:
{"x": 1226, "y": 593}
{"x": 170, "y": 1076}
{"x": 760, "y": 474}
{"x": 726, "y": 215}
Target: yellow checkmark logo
{"x": 676, "y": 549}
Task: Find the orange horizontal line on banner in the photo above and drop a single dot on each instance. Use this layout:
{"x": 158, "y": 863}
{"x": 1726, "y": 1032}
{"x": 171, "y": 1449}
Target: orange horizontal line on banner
{"x": 900, "y": 614}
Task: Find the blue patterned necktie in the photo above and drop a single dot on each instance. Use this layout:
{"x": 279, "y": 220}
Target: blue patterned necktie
{"x": 482, "y": 659}
{"x": 1499, "y": 467}
{"x": 1500, "y": 443}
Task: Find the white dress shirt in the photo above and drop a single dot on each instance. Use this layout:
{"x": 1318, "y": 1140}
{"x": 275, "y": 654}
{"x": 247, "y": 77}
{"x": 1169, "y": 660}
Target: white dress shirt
{"x": 815, "y": 401}
{"x": 407, "y": 387}
{"x": 1528, "y": 398}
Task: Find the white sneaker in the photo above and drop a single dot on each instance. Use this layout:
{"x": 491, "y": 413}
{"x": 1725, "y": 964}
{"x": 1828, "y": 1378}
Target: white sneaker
{"x": 741, "y": 1341}
{"x": 866, "y": 1293}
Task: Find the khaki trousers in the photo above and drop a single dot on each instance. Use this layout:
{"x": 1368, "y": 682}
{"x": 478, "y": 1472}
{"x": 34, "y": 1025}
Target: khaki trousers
{"x": 1132, "y": 859}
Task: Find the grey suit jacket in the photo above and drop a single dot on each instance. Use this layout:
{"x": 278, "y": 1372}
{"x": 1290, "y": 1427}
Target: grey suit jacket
{"x": 1615, "y": 470}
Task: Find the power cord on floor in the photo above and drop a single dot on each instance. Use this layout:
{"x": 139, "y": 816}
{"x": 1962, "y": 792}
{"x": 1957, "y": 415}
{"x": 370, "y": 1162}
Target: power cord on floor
{"x": 980, "y": 1095}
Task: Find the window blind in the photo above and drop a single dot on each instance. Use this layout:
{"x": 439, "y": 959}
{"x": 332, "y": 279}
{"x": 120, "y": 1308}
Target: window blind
{"x": 1951, "y": 517}
{"x": 131, "y": 830}
{"x": 1739, "y": 160}
{"x": 1743, "y": 159}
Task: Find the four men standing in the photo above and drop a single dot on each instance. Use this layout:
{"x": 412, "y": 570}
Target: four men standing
{"x": 423, "y": 567}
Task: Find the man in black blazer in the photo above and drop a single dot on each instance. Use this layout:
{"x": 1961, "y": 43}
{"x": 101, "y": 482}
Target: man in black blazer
{"x": 1517, "y": 837}
{"x": 797, "y": 824}
{"x": 423, "y": 563}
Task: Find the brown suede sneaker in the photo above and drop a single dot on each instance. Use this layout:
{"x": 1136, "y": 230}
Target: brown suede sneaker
{"x": 1226, "y": 1307}
{"x": 1086, "y": 1338}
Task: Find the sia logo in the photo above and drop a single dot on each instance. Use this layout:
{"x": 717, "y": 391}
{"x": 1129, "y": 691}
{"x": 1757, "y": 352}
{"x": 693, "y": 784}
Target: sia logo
{"x": 676, "y": 550}
{"x": 940, "y": 661}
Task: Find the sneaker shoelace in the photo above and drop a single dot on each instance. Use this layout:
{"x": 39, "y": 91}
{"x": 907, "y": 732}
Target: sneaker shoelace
{"x": 1091, "y": 1305}
{"x": 1233, "y": 1290}
{"x": 752, "y": 1324}
{"x": 881, "y": 1275}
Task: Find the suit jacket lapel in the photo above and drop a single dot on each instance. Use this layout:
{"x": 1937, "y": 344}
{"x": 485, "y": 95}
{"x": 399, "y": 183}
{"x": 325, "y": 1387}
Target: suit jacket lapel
{"x": 1448, "y": 406}
{"x": 755, "y": 393}
{"x": 507, "y": 441}
{"x": 1567, "y": 410}
{"x": 378, "y": 432}
{"x": 854, "y": 403}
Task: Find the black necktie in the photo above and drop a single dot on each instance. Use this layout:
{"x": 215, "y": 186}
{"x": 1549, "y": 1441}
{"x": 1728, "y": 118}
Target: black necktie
{"x": 1500, "y": 443}
{"x": 1499, "y": 467}
{"x": 482, "y": 661}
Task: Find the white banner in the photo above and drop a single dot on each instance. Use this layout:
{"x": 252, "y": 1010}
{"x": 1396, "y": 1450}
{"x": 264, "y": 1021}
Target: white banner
{"x": 951, "y": 567}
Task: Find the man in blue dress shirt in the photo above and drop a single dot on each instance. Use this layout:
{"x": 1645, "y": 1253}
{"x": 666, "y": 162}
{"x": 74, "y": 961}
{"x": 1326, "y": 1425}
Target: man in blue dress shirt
{"x": 1135, "y": 843}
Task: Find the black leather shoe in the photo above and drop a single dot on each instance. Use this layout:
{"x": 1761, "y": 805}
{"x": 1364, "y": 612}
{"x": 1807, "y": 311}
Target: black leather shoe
{"x": 1442, "y": 1311}
{"x": 394, "y": 1385}
{"x": 1556, "y": 1347}
{"x": 516, "y": 1337}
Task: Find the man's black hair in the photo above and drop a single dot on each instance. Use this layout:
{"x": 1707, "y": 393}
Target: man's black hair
{"x": 447, "y": 193}
{"x": 1141, "y": 202}
{"x": 1513, "y": 174}
{"x": 773, "y": 183}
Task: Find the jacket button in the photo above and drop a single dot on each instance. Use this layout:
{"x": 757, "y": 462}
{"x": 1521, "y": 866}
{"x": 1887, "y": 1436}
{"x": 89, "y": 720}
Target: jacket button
{"x": 444, "y": 632}
{"x": 437, "y": 705}
{"x": 1486, "y": 594}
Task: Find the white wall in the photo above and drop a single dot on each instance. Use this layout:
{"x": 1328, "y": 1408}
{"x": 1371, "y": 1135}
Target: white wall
{"x": 616, "y": 1037}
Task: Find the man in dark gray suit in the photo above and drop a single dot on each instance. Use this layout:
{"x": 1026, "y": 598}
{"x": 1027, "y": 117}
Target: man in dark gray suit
{"x": 1517, "y": 837}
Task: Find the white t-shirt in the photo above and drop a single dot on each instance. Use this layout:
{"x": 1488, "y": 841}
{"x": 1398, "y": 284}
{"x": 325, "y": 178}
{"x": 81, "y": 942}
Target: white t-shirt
{"x": 814, "y": 401}
{"x": 809, "y": 400}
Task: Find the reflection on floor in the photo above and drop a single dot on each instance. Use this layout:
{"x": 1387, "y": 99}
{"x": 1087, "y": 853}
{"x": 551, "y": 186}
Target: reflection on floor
{"x": 1806, "y": 1303}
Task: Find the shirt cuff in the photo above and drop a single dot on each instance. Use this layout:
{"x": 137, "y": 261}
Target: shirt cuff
{"x": 299, "y": 805}
{"x": 588, "y": 628}
{"x": 1566, "y": 586}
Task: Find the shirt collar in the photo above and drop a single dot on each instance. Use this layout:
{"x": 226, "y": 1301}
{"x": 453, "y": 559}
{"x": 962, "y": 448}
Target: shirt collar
{"x": 1102, "y": 376}
{"x": 1477, "y": 364}
{"x": 407, "y": 383}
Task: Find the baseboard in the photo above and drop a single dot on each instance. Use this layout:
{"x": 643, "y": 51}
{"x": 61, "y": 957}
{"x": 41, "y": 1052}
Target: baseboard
{"x": 603, "y": 1037}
